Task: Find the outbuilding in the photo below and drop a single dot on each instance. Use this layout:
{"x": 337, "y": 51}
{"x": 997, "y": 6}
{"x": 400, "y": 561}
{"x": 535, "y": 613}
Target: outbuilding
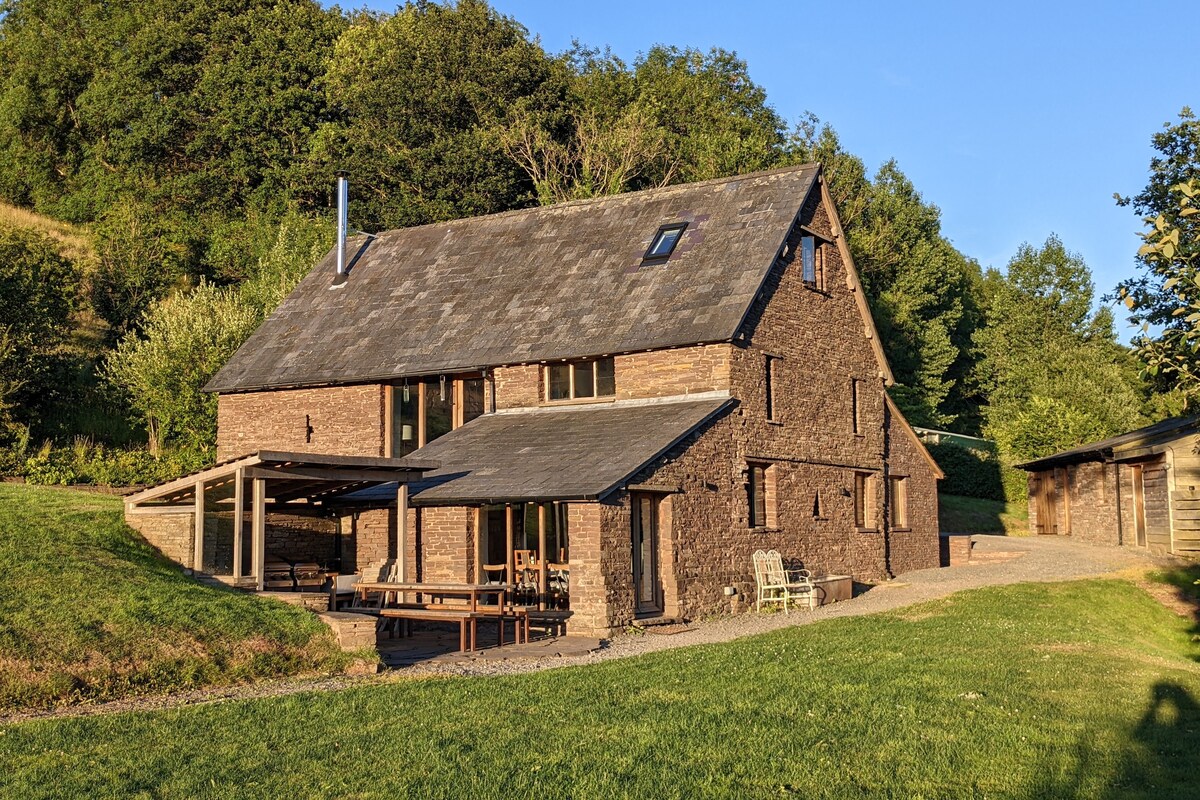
{"x": 1139, "y": 489}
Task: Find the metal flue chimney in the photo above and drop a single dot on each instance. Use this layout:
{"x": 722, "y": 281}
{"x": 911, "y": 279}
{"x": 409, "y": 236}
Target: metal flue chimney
{"x": 343, "y": 203}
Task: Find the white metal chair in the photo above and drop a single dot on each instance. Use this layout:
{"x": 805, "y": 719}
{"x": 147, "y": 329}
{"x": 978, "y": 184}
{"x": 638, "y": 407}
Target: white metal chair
{"x": 777, "y": 585}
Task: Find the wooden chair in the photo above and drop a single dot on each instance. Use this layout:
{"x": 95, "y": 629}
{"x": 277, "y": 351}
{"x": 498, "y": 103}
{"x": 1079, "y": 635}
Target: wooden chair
{"x": 777, "y": 585}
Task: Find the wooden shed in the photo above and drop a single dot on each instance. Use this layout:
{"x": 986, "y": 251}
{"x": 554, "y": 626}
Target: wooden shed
{"x": 1139, "y": 489}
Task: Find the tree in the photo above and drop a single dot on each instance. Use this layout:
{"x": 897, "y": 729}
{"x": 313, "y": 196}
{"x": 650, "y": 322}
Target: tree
{"x": 673, "y": 116}
{"x": 1053, "y": 371}
{"x": 38, "y": 292}
{"x": 1171, "y": 255}
{"x": 160, "y": 121}
{"x": 420, "y": 101}
{"x": 183, "y": 341}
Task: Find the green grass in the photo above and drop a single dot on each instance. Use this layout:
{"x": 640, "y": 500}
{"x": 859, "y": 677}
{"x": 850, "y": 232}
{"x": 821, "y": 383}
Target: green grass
{"x": 1083, "y": 689}
{"x": 972, "y": 515}
{"x": 90, "y": 611}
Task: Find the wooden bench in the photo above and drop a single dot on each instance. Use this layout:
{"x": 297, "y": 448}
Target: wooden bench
{"x": 519, "y": 615}
{"x": 466, "y": 620}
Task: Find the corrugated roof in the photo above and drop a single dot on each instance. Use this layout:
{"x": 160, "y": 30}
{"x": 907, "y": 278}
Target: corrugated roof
{"x": 1110, "y": 448}
{"x": 538, "y": 284}
{"x": 569, "y": 453}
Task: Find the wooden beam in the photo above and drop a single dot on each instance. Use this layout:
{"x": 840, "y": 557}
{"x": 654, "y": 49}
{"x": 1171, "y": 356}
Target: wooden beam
{"x": 543, "y": 556}
{"x": 480, "y": 518}
{"x": 258, "y": 527}
{"x": 509, "y": 544}
{"x": 402, "y": 532}
{"x": 296, "y": 473}
{"x": 239, "y": 521}
{"x": 174, "y": 487}
{"x": 198, "y": 538}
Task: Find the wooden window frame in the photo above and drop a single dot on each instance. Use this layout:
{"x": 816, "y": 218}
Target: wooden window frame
{"x": 417, "y": 385}
{"x": 898, "y": 502}
{"x": 770, "y": 511}
{"x": 770, "y": 365}
{"x": 814, "y": 277}
{"x": 571, "y": 397}
{"x": 856, "y": 407}
{"x": 865, "y": 505}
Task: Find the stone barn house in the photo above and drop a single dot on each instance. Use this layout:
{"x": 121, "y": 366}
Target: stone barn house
{"x": 1139, "y": 489}
{"x": 645, "y": 388}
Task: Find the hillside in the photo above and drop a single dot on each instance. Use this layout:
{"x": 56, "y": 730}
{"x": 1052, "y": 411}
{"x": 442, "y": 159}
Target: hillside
{"x": 76, "y": 244}
{"x": 90, "y": 611}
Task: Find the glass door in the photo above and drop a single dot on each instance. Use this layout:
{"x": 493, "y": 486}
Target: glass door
{"x": 646, "y": 586}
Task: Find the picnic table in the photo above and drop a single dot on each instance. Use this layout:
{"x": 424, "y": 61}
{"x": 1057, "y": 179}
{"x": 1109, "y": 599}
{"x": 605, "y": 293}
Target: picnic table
{"x": 394, "y": 604}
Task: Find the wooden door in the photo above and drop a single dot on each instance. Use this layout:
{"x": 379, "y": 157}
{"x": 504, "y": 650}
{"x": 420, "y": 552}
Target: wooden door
{"x": 1139, "y": 504}
{"x": 1047, "y": 510}
{"x": 647, "y": 588}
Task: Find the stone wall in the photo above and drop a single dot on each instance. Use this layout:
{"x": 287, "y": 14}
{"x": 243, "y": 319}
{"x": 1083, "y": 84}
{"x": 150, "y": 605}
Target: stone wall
{"x": 171, "y": 534}
{"x": 657, "y": 373}
{"x": 335, "y": 420}
{"x": 1094, "y": 502}
{"x": 915, "y": 545}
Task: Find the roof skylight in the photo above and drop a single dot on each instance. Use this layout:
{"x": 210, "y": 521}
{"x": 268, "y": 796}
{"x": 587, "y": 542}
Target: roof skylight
{"x": 664, "y": 242}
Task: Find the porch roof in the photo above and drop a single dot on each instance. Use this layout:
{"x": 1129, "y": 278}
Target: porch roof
{"x": 303, "y": 477}
{"x": 564, "y": 453}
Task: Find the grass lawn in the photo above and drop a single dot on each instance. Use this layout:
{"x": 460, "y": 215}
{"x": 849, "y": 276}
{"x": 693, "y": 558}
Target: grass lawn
{"x": 89, "y": 610}
{"x": 972, "y": 515}
{"x": 1082, "y": 689}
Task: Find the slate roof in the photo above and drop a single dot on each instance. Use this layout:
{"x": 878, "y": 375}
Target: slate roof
{"x": 1107, "y": 449}
{"x": 563, "y": 281}
{"x": 570, "y": 453}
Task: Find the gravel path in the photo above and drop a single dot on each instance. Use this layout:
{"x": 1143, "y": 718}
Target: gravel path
{"x": 996, "y": 561}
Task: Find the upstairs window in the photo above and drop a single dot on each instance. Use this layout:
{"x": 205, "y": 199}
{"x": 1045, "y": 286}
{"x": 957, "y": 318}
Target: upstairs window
{"x": 855, "y": 406}
{"x": 581, "y": 380}
{"x": 772, "y": 410}
{"x": 425, "y": 408}
{"x": 664, "y": 242}
{"x": 812, "y": 258}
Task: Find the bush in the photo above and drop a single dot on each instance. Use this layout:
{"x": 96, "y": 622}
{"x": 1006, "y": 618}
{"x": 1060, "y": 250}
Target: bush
{"x": 969, "y": 472}
{"x": 88, "y": 463}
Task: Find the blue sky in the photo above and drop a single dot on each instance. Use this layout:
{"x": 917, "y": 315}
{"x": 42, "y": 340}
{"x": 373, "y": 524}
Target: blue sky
{"x": 1017, "y": 119}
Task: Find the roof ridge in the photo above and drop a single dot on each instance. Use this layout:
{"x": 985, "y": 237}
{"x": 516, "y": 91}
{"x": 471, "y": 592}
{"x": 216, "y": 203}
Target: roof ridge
{"x": 586, "y": 201}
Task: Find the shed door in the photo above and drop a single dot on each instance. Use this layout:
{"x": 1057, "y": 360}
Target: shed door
{"x": 1045, "y": 507}
{"x": 1139, "y": 504}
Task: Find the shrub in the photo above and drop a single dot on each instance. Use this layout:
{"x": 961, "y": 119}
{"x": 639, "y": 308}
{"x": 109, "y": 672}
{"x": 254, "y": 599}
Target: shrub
{"x": 969, "y": 472}
{"x": 87, "y": 463}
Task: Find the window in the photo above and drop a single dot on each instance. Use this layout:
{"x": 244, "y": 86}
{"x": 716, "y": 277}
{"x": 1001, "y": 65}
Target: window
{"x": 581, "y": 380}
{"x": 898, "y": 501}
{"x": 760, "y": 492}
{"x": 855, "y": 406}
{"x": 812, "y": 259}
{"x": 770, "y": 388}
{"x": 864, "y": 500}
{"x": 664, "y": 242}
{"x": 423, "y": 409}
{"x": 818, "y": 509}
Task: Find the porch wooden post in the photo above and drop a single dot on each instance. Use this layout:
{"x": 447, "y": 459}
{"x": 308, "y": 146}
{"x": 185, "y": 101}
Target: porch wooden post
{"x": 508, "y": 544}
{"x": 198, "y": 538}
{"x": 239, "y": 519}
{"x": 258, "y": 530}
{"x": 543, "y": 556}
{"x": 402, "y": 532}
{"x": 479, "y": 521}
